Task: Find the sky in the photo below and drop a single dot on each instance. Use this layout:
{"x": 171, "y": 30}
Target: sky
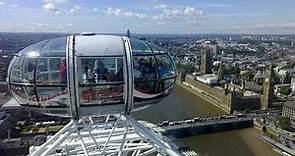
{"x": 149, "y": 16}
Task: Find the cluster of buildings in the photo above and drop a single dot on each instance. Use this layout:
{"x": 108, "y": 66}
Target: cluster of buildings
{"x": 229, "y": 96}
{"x": 244, "y": 76}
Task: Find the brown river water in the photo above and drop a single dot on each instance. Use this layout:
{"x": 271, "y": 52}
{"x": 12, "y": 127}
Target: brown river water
{"x": 181, "y": 104}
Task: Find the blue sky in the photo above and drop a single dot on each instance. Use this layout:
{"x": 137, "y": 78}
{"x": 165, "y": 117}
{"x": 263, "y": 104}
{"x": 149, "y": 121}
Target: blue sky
{"x": 148, "y": 16}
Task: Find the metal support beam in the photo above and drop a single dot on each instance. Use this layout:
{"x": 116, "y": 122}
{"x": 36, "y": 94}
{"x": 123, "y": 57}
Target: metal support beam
{"x": 89, "y": 137}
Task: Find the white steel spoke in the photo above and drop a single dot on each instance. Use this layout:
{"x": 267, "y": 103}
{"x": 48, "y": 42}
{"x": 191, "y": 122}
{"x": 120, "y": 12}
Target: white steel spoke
{"x": 92, "y": 137}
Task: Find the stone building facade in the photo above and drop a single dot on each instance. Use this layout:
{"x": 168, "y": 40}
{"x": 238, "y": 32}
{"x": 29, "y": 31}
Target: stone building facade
{"x": 226, "y": 99}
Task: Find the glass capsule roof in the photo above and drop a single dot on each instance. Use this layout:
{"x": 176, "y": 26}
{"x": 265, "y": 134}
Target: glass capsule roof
{"x": 102, "y": 45}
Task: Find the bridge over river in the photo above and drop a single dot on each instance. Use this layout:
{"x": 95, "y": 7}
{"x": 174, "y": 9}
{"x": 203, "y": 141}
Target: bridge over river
{"x": 198, "y": 126}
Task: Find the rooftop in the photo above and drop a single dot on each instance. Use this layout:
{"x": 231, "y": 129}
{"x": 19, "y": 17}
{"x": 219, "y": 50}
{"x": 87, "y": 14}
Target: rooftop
{"x": 290, "y": 104}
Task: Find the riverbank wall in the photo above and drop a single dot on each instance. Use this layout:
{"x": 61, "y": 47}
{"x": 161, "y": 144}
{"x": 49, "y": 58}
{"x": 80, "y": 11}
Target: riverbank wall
{"x": 220, "y": 97}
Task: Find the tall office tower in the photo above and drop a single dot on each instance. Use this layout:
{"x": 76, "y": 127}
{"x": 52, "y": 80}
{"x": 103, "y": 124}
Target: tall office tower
{"x": 268, "y": 86}
{"x": 206, "y": 61}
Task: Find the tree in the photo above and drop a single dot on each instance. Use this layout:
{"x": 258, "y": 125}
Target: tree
{"x": 247, "y": 75}
{"x": 3, "y": 72}
{"x": 186, "y": 68}
{"x": 35, "y": 129}
{"x": 283, "y": 122}
{"x": 285, "y": 90}
{"x": 232, "y": 70}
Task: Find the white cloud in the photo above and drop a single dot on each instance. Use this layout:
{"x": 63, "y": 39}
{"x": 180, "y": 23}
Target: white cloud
{"x": 55, "y": 1}
{"x": 126, "y": 14}
{"x": 13, "y": 5}
{"x": 50, "y": 6}
{"x": 189, "y": 11}
{"x": 187, "y": 14}
{"x": 69, "y": 25}
{"x": 2, "y": 4}
{"x": 132, "y": 14}
{"x": 161, "y": 6}
{"x": 172, "y": 12}
{"x": 75, "y": 9}
{"x": 113, "y": 12}
{"x": 94, "y": 9}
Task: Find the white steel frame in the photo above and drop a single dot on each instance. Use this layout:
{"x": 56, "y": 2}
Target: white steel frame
{"x": 114, "y": 135}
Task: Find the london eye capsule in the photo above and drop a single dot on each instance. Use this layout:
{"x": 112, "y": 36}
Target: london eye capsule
{"x": 90, "y": 75}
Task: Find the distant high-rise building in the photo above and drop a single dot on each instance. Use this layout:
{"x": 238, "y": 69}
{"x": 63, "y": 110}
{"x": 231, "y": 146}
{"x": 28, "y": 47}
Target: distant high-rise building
{"x": 268, "y": 86}
{"x": 220, "y": 71}
{"x": 128, "y": 33}
{"x": 215, "y": 48}
{"x": 206, "y": 61}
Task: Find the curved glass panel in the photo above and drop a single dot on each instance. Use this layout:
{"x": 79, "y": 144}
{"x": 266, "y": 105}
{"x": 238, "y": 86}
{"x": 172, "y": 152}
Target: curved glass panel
{"x": 51, "y": 70}
{"x": 99, "y": 45}
{"x": 164, "y": 84}
{"x": 56, "y": 46}
{"x": 51, "y": 80}
{"x": 29, "y": 70}
{"x": 53, "y": 96}
{"x": 155, "y": 48}
{"x": 144, "y": 68}
{"x": 138, "y": 46}
{"x": 101, "y": 95}
{"x": 16, "y": 70}
{"x": 165, "y": 66}
{"x": 101, "y": 80}
{"x": 100, "y": 70}
{"x": 147, "y": 87}
{"x": 23, "y": 70}
{"x": 33, "y": 50}
{"x": 25, "y": 94}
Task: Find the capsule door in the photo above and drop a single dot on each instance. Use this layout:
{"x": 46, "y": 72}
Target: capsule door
{"x": 96, "y": 83}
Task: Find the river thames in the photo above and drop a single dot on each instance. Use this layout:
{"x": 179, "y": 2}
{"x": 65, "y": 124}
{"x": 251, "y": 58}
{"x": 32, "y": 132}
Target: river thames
{"x": 181, "y": 104}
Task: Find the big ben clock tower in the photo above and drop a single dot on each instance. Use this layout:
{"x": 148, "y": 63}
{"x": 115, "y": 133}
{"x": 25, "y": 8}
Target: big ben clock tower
{"x": 268, "y": 84}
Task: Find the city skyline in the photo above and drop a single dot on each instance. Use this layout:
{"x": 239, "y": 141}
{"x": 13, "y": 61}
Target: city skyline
{"x": 154, "y": 16}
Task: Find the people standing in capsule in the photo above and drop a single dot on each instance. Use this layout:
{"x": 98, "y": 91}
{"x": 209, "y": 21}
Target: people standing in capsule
{"x": 99, "y": 68}
{"x": 119, "y": 75}
{"x": 30, "y": 72}
{"x": 63, "y": 72}
{"x": 90, "y": 75}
